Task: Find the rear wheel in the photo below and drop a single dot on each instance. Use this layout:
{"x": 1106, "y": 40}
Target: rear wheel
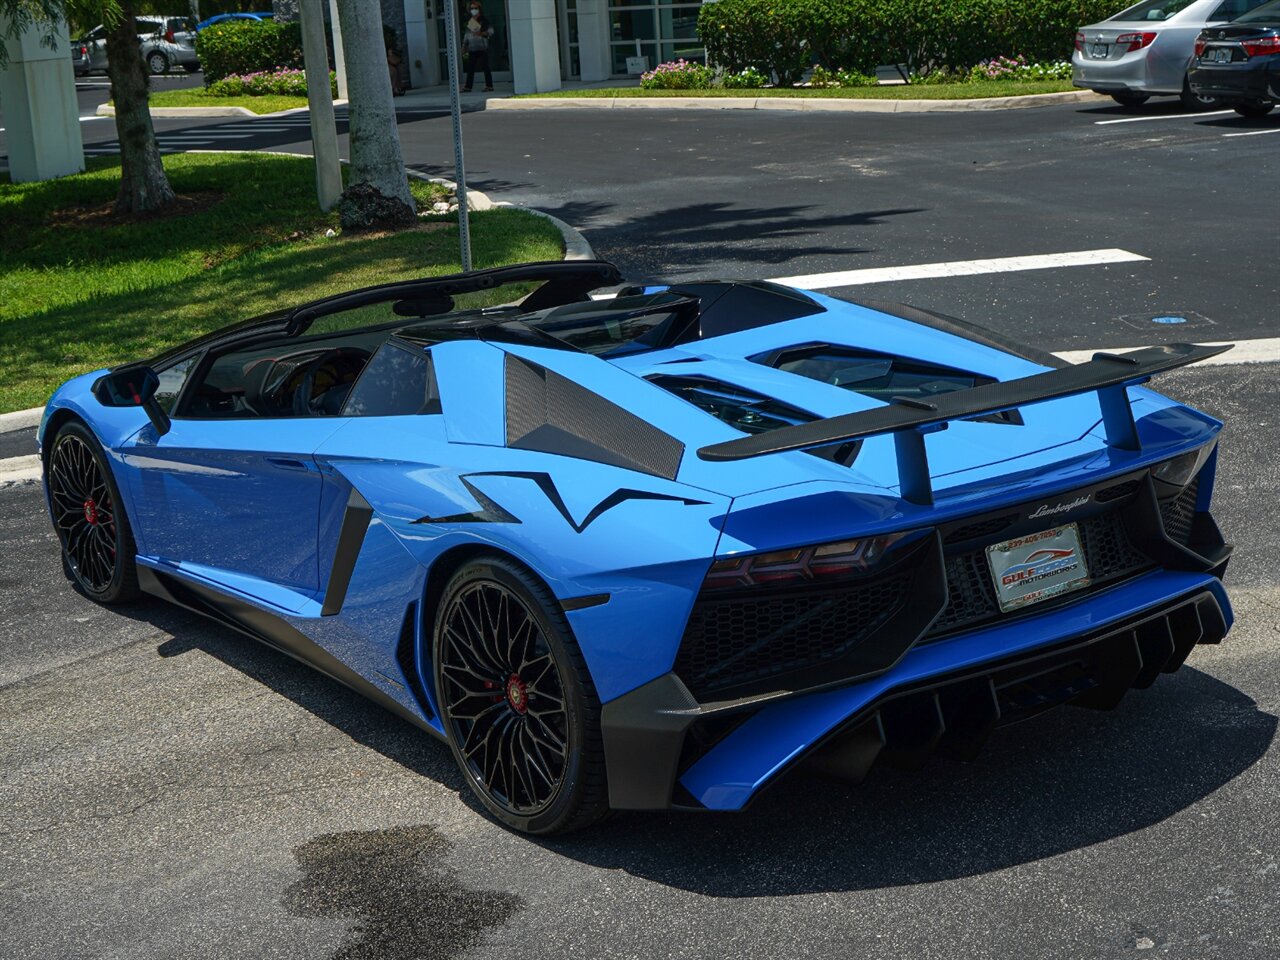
{"x": 517, "y": 702}
{"x": 1193, "y": 101}
{"x": 97, "y": 544}
{"x": 1127, "y": 99}
{"x": 157, "y": 62}
{"x": 1254, "y": 109}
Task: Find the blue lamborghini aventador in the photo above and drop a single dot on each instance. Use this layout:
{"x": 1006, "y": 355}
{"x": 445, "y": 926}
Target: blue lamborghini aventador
{"x": 647, "y": 547}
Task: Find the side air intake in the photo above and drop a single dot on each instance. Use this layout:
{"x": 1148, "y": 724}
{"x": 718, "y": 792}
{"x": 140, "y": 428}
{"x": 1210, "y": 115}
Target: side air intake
{"x": 551, "y": 414}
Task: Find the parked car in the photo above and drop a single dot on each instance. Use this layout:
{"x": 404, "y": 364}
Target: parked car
{"x": 167, "y": 42}
{"x": 1239, "y": 62}
{"x": 226, "y": 17}
{"x": 1144, "y": 51}
{"x": 80, "y": 62}
{"x": 658, "y": 550}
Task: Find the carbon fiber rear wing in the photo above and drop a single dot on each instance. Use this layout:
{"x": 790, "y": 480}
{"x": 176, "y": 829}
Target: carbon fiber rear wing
{"x": 908, "y": 418}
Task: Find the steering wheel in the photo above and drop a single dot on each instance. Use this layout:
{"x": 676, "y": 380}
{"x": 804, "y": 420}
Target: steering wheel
{"x": 343, "y": 364}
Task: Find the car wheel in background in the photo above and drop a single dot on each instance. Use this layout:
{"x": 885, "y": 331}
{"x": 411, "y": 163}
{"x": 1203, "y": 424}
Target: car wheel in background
{"x": 1254, "y": 109}
{"x": 93, "y": 529}
{"x": 157, "y": 62}
{"x": 1127, "y": 99}
{"x": 1193, "y": 101}
{"x": 516, "y": 700}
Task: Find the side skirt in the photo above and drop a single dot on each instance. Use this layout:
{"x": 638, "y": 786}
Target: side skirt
{"x": 274, "y": 631}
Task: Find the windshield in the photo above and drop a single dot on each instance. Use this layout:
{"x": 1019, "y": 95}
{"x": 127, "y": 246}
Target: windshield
{"x": 1153, "y": 10}
{"x": 1268, "y": 13}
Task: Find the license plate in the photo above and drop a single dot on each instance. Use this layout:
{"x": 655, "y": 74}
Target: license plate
{"x": 1220, "y": 55}
{"x": 1098, "y": 51}
{"x": 1038, "y": 566}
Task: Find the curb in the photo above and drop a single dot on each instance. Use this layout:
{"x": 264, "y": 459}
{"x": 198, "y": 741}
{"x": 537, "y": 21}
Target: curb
{"x": 106, "y": 110}
{"x": 826, "y": 104}
{"x": 20, "y": 419}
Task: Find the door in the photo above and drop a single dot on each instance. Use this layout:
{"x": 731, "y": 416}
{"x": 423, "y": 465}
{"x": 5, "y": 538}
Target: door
{"x": 499, "y": 44}
{"x": 236, "y": 501}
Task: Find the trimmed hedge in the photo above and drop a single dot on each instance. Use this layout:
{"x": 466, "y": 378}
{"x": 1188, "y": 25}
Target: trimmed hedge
{"x": 785, "y": 37}
{"x": 246, "y": 46}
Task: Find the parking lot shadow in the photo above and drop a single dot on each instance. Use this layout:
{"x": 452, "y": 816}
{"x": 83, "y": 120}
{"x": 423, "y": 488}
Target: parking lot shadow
{"x": 1062, "y": 781}
{"x": 1065, "y": 780}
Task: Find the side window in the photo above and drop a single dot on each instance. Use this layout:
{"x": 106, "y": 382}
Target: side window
{"x": 398, "y": 381}
{"x": 171, "y": 381}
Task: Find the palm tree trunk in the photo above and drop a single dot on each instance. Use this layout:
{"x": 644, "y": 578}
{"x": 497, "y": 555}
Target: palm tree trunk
{"x": 144, "y": 185}
{"x": 377, "y": 194}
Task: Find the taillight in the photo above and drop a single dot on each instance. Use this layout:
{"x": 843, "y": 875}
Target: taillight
{"x": 84, "y": 50}
{"x": 1079, "y": 41}
{"x": 805, "y": 564}
{"x": 1134, "y": 41}
{"x": 1262, "y": 47}
{"x": 1199, "y": 47}
{"x": 168, "y": 36}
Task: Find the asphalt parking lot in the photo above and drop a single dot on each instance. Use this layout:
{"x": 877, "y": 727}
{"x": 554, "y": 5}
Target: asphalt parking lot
{"x": 173, "y": 790}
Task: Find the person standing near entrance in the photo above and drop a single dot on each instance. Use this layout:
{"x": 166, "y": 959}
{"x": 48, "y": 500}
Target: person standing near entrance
{"x": 475, "y": 40}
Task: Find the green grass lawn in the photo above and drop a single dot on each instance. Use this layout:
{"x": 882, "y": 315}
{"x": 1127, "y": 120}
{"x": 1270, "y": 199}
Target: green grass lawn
{"x": 199, "y": 97}
{"x": 915, "y": 91}
{"x": 80, "y": 290}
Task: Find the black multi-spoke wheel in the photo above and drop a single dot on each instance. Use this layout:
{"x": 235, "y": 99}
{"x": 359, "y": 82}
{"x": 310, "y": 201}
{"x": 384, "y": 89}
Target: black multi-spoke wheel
{"x": 97, "y": 546}
{"x": 517, "y": 702}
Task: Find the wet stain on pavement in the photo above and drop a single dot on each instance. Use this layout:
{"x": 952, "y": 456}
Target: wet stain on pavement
{"x": 403, "y": 904}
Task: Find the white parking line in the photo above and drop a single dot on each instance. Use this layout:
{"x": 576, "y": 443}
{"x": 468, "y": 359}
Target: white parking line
{"x": 1174, "y": 116}
{"x": 959, "y": 268}
{"x": 1263, "y": 350}
{"x": 1252, "y": 133}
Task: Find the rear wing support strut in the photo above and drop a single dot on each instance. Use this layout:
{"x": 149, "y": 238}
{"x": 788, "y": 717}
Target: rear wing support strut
{"x": 908, "y": 419}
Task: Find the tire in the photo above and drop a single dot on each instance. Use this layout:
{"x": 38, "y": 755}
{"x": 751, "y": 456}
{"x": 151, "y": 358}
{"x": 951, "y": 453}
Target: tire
{"x": 157, "y": 62}
{"x": 1254, "y": 110}
{"x": 516, "y": 700}
{"x": 191, "y": 67}
{"x": 1127, "y": 99}
{"x": 1193, "y": 101}
{"x": 89, "y": 517}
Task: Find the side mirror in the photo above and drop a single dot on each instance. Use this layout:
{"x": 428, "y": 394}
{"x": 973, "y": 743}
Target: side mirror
{"x": 133, "y": 387}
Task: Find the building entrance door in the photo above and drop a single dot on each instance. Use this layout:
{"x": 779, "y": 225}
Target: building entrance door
{"x": 499, "y": 43}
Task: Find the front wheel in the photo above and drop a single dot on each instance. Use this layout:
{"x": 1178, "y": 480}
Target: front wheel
{"x": 1254, "y": 110}
{"x": 157, "y": 62}
{"x": 97, "y": 544}
{"x": 1127, "y": 99}
{"x": 517, "y": 702}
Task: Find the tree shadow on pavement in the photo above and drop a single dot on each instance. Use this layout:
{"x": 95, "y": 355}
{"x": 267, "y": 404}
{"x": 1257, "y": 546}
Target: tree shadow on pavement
{"x": 682, "y": 241}
{"x": 1066, "y": 780}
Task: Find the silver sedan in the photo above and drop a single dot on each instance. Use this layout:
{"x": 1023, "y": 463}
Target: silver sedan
{"x": 1144, "y": 51}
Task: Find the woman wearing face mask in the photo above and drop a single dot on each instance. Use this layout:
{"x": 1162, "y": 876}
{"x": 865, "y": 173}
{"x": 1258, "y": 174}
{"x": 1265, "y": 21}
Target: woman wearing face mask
{"x": 475, "y": 40}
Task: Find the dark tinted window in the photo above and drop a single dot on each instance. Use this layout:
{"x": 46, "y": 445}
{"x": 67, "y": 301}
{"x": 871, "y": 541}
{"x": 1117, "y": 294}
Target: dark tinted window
{"x": 1153, "y": 10}
{"x": 1269, "y": 13}
{"x": 602, "y": 326}
{"x": 397, "y": 382}
{"x": 1230, "y": 9}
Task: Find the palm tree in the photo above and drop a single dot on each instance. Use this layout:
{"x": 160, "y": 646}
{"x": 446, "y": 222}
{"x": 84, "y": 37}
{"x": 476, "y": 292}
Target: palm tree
{"x": 144, "y": 186}
{"x": 377, "y": 191}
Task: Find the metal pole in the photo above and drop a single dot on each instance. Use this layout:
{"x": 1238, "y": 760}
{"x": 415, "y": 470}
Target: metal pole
{"x": 339, "y": 61}
{"x": 324, "y": 133}
{"x": 455, "y": 109}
